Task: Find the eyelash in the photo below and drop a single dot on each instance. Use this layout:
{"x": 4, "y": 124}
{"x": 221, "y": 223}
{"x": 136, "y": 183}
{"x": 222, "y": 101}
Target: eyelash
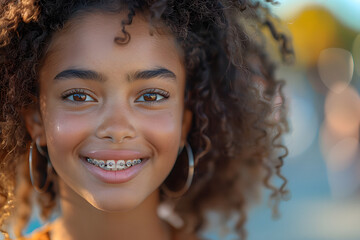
{"x": 164, "y": 94}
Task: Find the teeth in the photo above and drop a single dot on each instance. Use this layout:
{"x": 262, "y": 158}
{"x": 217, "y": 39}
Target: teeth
{"x": 113, "y": 165}
{"x": 101, "y": 163}
{"x": 120, "y": 165}
{"x": 128, "y": 163}
{"x": 95, "y": 162}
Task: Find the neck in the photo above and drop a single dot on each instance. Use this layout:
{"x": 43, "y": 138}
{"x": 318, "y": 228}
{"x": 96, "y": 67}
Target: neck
{"x": 80, "y": 220}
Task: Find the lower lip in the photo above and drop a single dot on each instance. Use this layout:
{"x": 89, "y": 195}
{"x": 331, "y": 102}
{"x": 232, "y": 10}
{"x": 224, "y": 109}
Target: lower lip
{"x": 114, "y": 177}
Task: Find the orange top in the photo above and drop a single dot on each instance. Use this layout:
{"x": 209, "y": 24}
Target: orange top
{"x": 41, "y": 234}
{"x": 44, "y": 234}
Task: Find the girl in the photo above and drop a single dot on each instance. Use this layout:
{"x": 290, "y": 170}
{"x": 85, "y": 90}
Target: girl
{"x": 133, "y": 119}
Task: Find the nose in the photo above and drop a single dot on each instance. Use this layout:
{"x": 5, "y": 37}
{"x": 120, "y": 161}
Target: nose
{"x": 115, "y": 126}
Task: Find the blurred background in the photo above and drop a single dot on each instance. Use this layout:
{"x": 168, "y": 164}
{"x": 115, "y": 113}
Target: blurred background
{"x": 323, "y": 167}
{"x": 323, "y": 86}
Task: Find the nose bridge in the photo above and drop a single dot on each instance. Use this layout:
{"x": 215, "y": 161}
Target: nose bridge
{"x": 115, "y": 123}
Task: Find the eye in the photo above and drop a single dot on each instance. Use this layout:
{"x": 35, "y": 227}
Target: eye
{"x": 149, "y": 97}
{"x": 153, "y": 95}
{"x": 80, "y": 97}
{"x": 77, "y": 95}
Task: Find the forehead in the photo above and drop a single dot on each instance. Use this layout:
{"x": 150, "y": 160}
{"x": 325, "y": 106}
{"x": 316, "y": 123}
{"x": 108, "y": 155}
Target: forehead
{"x": 90, "y": 37}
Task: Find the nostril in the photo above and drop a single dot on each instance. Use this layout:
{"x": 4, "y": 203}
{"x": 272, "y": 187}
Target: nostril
{"x": 114, "y": 126}
{"x": 116, "y": 137}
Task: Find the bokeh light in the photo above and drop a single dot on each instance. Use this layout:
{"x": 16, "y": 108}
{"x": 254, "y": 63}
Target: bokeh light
{"x": 329, "y": 138}
{"x": 342, "y": 111}
{"x": 340, "y": 156}
{"x": 336, "y": 65}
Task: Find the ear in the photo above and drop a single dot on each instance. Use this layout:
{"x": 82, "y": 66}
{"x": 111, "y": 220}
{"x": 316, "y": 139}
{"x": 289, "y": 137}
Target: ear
{"x": 34, "y": 125}
{"x": 186, "y": 125}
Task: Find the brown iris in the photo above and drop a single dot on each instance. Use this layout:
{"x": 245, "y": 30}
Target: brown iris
{"x": 150, "y": 97}
{"x": 79, "y": 97}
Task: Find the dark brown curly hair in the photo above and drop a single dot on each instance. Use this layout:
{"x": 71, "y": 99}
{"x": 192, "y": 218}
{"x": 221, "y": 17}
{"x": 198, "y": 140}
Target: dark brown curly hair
{"x": 230, "y": 89}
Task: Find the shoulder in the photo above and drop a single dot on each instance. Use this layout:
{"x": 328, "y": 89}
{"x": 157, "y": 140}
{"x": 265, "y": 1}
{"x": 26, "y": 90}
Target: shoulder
{"x": 39, "y": 234}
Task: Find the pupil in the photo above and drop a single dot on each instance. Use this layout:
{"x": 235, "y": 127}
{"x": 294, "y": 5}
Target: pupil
{"x": 150, "y": 96}
{"x": 79, "y": 97}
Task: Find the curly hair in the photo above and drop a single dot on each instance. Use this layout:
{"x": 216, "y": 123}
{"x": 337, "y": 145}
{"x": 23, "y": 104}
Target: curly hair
{"x": 230, "y": 88}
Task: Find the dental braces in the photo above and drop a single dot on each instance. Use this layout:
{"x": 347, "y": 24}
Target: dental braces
{"x": 113, "y": 165}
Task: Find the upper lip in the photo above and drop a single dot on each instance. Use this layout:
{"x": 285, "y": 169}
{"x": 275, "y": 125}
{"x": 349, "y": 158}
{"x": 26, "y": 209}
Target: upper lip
{"x": 116, "y": 154}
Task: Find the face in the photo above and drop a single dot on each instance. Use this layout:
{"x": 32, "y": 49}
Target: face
{"x": 101, "y": 101}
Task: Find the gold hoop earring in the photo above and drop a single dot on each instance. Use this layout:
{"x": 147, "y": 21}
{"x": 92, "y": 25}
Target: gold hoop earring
{"x": 43, "y": 187}
{"x": 179, "y": 193}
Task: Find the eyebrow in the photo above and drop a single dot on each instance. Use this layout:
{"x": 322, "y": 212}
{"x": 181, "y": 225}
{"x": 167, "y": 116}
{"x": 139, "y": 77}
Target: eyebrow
{"x": 158, "y": 72}
{"x": 80, "y": 73}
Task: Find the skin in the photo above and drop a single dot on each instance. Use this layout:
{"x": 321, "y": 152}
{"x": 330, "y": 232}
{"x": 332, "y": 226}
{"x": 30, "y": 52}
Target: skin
{"x": 110, "y": 114}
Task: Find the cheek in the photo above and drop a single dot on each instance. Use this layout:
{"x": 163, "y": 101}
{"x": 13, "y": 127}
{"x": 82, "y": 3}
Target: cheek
{"x": 164, "y": 132}
{"x": 64, "y": 132}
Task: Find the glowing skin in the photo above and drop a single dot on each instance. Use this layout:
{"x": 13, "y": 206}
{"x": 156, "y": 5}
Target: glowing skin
{"x": 109, "y": 111}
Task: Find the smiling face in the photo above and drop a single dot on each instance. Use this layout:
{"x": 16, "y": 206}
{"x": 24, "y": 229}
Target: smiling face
{"x": 100, "y": 100}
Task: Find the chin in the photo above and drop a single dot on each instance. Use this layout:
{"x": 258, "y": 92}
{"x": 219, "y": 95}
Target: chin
{"x": 114, "y": 202}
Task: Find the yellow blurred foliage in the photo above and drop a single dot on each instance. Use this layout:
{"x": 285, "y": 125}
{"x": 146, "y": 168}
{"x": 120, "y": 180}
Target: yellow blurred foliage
{"x": 312, "y": 31}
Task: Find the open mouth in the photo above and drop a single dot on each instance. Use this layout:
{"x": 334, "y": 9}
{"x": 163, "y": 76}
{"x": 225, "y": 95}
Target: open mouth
{"x": 114, "y": 165}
